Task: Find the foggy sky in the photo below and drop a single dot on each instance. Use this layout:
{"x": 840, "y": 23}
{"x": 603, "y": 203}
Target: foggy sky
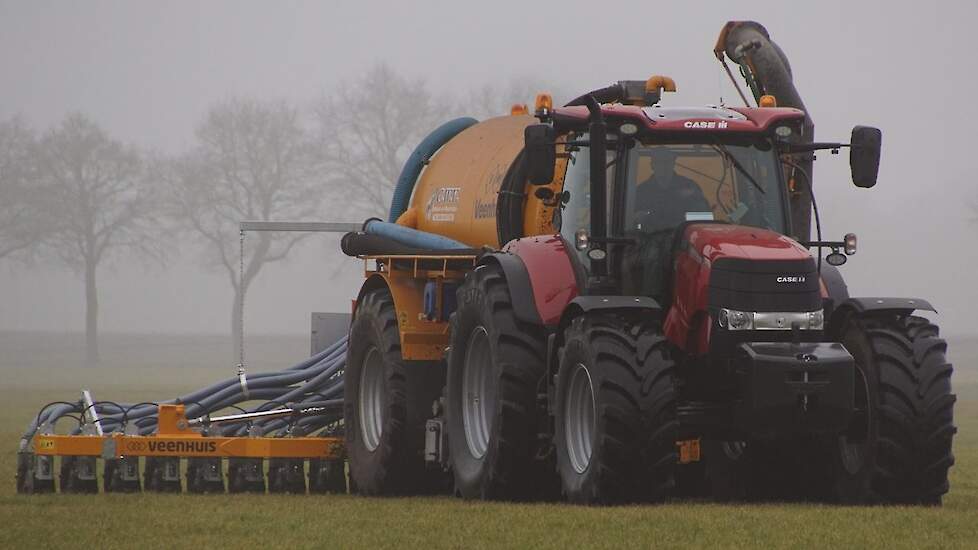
{"x": 148, "y": 71}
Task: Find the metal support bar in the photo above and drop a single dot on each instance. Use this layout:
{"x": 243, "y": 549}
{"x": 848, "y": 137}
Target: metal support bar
{"x": 298, "y": 411}
{"x": 321, "y": 227}
{"x": 121, "y": 446}
{"x": 91, "y": 412}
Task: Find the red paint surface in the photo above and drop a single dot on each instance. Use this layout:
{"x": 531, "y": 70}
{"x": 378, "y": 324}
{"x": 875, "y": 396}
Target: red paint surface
{"x": 551, "y": 274}
{"x": 758, "y": 120}
{"x": 687, "y": 323}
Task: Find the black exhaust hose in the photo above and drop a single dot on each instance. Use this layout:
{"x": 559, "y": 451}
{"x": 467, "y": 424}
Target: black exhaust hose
{"x": 511, "y": 200}
{"x": 599, "y": 208}
{"x": 749, "y": 45}
{"x": 609, "y": 94}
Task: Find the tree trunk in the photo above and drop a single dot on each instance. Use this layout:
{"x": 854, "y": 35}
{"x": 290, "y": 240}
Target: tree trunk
{"x": 91, "y": 315}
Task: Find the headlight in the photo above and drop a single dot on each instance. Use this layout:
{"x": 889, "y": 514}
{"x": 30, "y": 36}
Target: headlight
{"x": 736, "y": 320}
{"x": 816, "y": 320}
{"x": 733, "y": 319}
{"x": 850, "y": 244}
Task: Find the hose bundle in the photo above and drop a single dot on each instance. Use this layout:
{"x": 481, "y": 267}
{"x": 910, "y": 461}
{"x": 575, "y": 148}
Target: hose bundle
{"x": 317, "y": 381}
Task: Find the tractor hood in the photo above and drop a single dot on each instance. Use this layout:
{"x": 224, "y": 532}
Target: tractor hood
{"x": 714, "y": 241}
{"x": 751, "y": 269}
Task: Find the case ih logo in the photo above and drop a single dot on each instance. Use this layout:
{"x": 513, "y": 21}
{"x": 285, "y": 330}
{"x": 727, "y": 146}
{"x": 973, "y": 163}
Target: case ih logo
{"x": 705, "y": 124}
{"x": 791, "y": 279}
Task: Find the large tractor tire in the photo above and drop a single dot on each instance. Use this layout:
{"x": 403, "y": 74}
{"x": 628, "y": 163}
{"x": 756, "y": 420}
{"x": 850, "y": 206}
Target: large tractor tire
{"x": 386, "y": 403}
{"x": 898, "y": 450}
{"x": 616, "y": 426}
{"x": 495, "y": 367}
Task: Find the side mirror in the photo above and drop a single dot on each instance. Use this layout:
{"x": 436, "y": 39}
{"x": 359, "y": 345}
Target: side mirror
{"x": 541, "y": 153}
{"x": 864, "y": 155}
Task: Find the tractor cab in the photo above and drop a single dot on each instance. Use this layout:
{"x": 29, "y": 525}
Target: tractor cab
{"x": 658, "y": 184}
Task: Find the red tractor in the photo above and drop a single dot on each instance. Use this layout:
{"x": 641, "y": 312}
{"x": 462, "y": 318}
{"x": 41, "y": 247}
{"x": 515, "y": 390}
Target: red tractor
{"x": 654, "y": 322}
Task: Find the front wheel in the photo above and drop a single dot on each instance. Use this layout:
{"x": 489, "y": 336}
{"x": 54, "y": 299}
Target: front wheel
{"x": 616, "y": 426}
{"x": 898, "y": 449}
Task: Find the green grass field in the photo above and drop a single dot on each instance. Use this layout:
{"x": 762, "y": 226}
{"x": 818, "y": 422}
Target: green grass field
{"x": 38, "y": 368}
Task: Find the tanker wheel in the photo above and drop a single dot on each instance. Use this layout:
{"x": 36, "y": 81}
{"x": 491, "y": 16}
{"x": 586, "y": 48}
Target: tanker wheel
{"x": 386, "y": 403}
{"x": 495, "y": 365}
{"x": 616, "y": 425}
{"x": 898, "y": 448}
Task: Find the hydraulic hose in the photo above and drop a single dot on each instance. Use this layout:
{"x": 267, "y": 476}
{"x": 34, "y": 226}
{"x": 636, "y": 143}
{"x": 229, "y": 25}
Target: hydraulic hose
{"x": 766, "y": 68}
{"x": 417, "y": 160}
{"x": 318, "y": 375}
{"x": 411, "y": 237}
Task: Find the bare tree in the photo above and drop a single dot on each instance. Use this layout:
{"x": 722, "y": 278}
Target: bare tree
{"x": 254, "y": 160}
{"x": 492, "y": 99}
{"x": 21, "y": 227}
{"x": 97, "y": 203}
{"x": 368, "y": 127}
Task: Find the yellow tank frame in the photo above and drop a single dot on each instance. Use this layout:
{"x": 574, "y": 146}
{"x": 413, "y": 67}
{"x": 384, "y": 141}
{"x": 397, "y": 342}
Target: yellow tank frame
{"x": 175, "y": 438}
{"x": 422, "y": 339}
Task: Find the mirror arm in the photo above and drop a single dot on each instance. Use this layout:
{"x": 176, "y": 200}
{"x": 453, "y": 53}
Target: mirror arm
{"x": 816, "y": 146}
{"x": 823, "y": 244}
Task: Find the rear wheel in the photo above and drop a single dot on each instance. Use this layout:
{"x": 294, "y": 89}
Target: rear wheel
{"x": 387, "y": 401}
{"x": 898, "y": 449}
{"x": 495, "y": 366}
{"x": 616, "y": 426}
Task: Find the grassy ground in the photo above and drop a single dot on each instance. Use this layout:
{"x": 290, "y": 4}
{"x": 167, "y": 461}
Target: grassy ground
{"x": 37, "y": 368}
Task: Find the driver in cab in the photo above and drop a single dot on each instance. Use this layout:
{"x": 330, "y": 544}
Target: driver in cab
{"x": 662, "y": 203}
{"x": 666, "y": 197}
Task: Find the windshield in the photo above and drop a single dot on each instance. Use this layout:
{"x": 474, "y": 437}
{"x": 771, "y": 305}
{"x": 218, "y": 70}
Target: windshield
{"x": 666, "y": 185}
{"x": 658, "y": 187}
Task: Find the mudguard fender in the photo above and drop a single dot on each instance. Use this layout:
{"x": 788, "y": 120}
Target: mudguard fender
{"x": 539, "y": 275}
{"x": 852, "y": 306}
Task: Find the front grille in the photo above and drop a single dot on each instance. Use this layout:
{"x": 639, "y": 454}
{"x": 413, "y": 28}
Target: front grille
{"x": 765, "y": 285}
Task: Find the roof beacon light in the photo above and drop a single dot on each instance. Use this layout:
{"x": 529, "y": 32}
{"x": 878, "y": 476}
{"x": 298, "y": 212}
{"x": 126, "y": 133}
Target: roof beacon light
{"x": 767, "y": 101}
{"x": 659, "y": 83}
{"x": 518, "y": 109}
{"x": 654, "y": 87}
{"x": 544, "y": 104}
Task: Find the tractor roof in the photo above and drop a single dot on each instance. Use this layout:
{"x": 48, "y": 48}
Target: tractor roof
{"x": 692, "y": 119}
